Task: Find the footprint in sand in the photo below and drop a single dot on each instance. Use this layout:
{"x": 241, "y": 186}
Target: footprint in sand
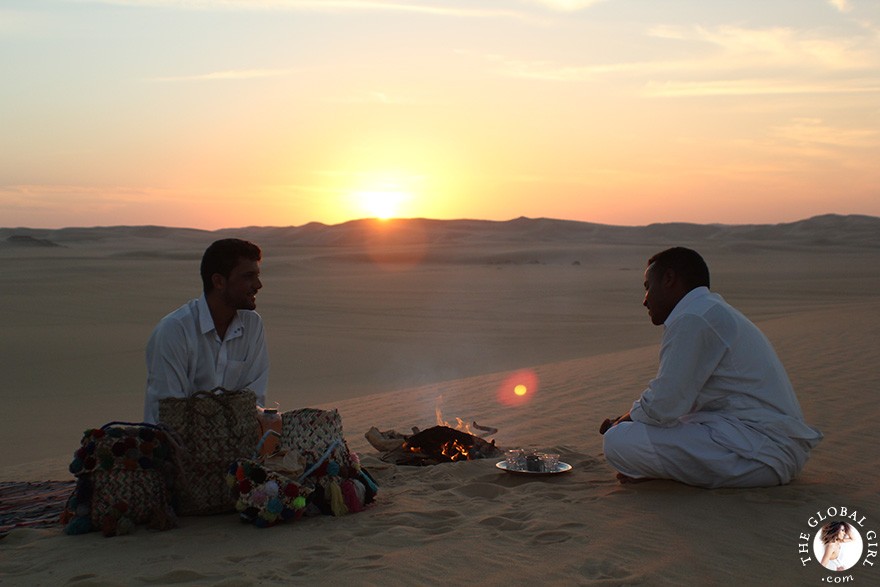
{"x": 262, "y": 555}
{"x": 503, "y": 523}
{"x": 77, "y": 578}
{"x": 178, "y": 576}
{"x": 443, "y": 486}
{"x": 434, "y": 521}
{"x": 603, "y": 569}
{"x": 553, "y": 537}
{"x": 484, "y": 490}
{"x": 370, "y": 562}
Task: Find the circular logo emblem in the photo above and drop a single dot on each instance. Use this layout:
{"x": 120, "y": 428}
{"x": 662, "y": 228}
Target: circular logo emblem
{"x": 837, "y": 545}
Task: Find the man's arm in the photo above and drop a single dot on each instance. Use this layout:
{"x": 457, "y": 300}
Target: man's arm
{"x": 689, "y": 355}
{"x": 258, "y": 373}
{"x": 166, "y": 367}
{"x": 609, "y": 423}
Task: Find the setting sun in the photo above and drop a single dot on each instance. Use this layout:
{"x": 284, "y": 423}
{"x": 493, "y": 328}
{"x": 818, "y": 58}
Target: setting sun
{"x": 382, "y": 204}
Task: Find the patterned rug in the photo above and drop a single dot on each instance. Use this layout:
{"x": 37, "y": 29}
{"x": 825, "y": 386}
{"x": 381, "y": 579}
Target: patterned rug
{"x": 32, "y": 504}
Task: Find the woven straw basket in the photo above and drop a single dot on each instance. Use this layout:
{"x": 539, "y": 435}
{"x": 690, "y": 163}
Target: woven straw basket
{"x": 310, "y": 432}
{"x": 216, "y": 428}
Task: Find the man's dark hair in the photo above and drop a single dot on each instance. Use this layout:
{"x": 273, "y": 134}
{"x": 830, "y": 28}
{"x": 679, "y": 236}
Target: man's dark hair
{"x": 687, "y": 264}
{"x": 222, "y": 257}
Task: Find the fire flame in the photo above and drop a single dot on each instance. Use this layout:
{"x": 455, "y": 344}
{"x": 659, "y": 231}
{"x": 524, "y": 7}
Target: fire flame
{"x": 454, "y": 450}
{"x": 460, "y": 424}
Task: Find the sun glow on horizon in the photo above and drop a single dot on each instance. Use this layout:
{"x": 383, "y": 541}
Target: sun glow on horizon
{"x": 385, "y": 194}
{"x": 381, "y": 204}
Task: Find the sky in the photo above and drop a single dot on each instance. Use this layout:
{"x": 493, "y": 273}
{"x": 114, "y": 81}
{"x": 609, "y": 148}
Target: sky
{"x": 229, "y": 113}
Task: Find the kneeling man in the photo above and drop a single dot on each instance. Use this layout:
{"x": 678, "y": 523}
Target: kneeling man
{"x": 721, "y": 411}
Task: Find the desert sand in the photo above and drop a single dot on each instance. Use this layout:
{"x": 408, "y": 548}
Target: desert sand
{"x": 391, "y": 322}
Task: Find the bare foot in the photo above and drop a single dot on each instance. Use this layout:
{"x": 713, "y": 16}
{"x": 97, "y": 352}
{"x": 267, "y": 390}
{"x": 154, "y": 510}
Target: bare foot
{"x": 626, "y": 479}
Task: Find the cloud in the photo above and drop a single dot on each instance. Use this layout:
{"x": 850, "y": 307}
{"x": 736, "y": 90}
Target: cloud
{"x": 755, "y": 87}
{"x": 373, "y": 97}
{"x": 554, "y": 71}
{"x": 814, "y": 131}
{"x": 727, "y": 60}
{"x": 49, "y": 195}
{"x": 799, "y": 142}
{"x": 464, "y": 8}
{"x": 232, "y": 74}
{"x": 741, "y": 61}
{"x": 566, "y": 5}
{"x": 47, "y": 205}
{"x": 841, "y": 5}
{"x": 782, "y": 47}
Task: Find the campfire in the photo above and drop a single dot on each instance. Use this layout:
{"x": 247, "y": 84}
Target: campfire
{"x": 438, "y": 444}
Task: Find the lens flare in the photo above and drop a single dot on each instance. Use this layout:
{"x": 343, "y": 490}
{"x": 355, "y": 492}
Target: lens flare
{"x": 518, "y": 388}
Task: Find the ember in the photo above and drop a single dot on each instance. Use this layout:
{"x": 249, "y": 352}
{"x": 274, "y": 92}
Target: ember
{"x": 438, "y": 444}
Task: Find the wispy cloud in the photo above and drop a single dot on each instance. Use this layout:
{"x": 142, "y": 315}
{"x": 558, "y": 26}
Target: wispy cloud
{"x": 755, "y": 87}
{"x": 729, "y": 60}
{"x": 814, "y": 131}
{"x": 566, "y": 5}
{"x": 799, "y": 143}
{"x": 741, "y": 61}
{"x": 231, "y": 74}
{"x": 841, "y": 5}
{"x": 783, "y": 47}
{"x": 462, "y": 8}
{"x": 373, "y": 97}
{"x": 47, "y": 195}
{"x": 542, "y": 69}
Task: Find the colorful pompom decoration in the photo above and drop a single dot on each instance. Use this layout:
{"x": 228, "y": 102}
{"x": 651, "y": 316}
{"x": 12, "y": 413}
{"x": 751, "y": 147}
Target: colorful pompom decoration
{"x": 114, "y": 464}
{"x": 265, "y": 497}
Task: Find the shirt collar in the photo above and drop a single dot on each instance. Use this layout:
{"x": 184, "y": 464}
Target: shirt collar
{"x": 206, "y": 323}
{"x": 688, "y": 299}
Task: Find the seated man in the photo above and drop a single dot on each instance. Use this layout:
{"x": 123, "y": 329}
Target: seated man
{"x": 721, "y": 411}
{"x": 216, "y": 340}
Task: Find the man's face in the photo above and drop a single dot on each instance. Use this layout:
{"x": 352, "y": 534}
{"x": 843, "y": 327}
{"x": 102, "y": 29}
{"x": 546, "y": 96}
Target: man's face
{"x": 659, "y": 298}
{"x": 240, "y": 289}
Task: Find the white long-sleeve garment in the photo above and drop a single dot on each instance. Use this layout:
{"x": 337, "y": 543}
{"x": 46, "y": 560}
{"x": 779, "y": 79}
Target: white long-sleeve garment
{"x": 185, "y": 355}
{"x": 718, "y": 369}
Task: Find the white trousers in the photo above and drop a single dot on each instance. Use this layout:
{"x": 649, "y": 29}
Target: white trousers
{"x": 686, "y": 453}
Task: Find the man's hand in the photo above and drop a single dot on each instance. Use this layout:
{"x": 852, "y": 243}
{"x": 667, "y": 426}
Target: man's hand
{"x": 609, "y": 422}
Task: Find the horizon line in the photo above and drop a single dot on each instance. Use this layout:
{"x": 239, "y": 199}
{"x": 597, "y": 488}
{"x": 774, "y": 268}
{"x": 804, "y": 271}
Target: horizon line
{"x": 442, "y": 220}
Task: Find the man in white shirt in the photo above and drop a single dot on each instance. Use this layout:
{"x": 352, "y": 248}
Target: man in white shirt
{"x": 721, "y": 411}
{"x": 216, "y": 340}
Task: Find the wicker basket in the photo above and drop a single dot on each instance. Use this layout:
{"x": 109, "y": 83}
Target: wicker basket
{"x": 311, "y": 432}
{"x": 217, "y": 428}
{"x": 124, "y": 475}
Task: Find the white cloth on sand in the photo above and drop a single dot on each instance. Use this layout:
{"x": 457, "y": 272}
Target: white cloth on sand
{"x": 686, "y": 453}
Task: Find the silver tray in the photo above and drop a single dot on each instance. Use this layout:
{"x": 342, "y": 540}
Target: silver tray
{"x": 560, "y": 468}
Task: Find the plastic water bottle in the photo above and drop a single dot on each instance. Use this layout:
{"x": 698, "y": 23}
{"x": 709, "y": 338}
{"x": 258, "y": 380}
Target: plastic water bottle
{"x": 270, "y": 419}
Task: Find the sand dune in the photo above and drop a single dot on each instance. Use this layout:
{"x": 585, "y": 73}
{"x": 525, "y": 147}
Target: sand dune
{"x": 389, "y": 330}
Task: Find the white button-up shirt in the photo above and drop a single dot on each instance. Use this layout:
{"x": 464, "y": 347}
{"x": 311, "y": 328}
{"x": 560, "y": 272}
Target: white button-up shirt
{"x": 718, "y": 368}
{"x": 186, "y": 355}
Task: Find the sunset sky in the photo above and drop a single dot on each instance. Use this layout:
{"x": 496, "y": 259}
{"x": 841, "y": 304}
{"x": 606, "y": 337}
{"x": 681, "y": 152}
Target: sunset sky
{"x": 226, "y": 113}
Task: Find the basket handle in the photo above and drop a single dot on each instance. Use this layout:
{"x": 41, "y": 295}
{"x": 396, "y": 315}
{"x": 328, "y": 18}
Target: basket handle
{"x": 320, "y": 462}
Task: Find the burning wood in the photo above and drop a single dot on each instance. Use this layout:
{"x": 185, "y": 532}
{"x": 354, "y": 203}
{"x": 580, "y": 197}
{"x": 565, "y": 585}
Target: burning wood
{"x": 438, "y": 444}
